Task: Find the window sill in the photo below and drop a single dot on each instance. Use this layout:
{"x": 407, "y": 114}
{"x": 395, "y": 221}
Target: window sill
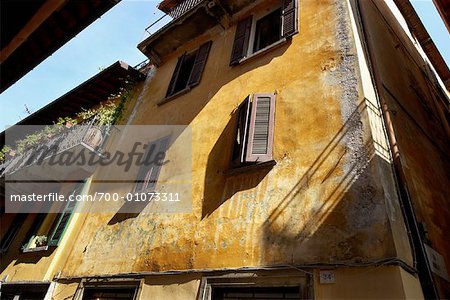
{"x": 36, "y": 249}
{"x": 171, "y": 97}
{"x": 251, "y": 168}
{"x": 263, "y": 51}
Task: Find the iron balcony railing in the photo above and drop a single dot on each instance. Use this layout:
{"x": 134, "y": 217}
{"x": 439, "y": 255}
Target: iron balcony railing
{"x": 89, "y": 134}
{"x": 183, "y": 7}
{"x": 176, "y": 12}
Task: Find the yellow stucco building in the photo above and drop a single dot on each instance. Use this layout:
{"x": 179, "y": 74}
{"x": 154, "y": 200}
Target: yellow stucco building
{"x": 312, "y": 142}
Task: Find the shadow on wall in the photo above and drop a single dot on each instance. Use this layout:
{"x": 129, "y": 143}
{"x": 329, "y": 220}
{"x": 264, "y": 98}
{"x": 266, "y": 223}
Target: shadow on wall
{"x": 219, "y": 187}
{"x": 336, "y": 211}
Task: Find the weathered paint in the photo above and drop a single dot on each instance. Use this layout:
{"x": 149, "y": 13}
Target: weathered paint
{"x": 320, "y": 203}
{"x": 329, "y": 199}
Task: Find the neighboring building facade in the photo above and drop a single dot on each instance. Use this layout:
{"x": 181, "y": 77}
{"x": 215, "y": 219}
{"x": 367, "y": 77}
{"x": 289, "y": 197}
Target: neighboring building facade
{"x": 304, "y": 120}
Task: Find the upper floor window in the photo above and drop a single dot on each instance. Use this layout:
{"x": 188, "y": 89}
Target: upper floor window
{"x": 189, "y": 70}
{"x": 151, "y": 167}
{"x": 256, "y": 33}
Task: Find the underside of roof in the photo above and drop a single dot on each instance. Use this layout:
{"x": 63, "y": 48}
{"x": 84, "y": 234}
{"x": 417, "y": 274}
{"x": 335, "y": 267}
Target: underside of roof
{"x": 90, "y": 93}
{"x": 32, "y": 30}
{"x": 443, "y": 7}
{"x": 418, "y": 29}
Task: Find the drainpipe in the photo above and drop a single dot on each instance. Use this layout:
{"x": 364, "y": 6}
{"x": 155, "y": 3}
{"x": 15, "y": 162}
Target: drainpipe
{"x": 420, "y": 257}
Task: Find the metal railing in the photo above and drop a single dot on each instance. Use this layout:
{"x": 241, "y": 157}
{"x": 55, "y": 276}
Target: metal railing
{"x": 176, "y": 12}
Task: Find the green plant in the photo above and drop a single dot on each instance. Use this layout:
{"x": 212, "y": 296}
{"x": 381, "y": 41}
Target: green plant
{"x": 107, "y": 113}
{"x": 40, "y": 240}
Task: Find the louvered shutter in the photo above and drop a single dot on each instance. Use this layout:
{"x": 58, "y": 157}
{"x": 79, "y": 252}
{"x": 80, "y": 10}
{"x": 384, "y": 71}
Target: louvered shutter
{"x": 289, "y": 18}
{"x": 148, "y": 175}
{"x": 199, "y": 64}
{"x": 260, "y": 135}
{"x": 64, "y": 219}
{"x": 241, "y": 40}
{"x": 243, "y": 117}
{"x": 175, "y": 74}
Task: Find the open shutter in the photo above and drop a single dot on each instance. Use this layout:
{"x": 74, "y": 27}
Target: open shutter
{"x": 260, "y": 135}
{"x": 241, "y": 40}
{"x": 243, "y": 116}
{"x": 289, "y": 18}
{"x": 175, "y": 74}
{"x": 199, "y": 64}
{"x": 64, "y": 219}
{"x": 148, "y": 174}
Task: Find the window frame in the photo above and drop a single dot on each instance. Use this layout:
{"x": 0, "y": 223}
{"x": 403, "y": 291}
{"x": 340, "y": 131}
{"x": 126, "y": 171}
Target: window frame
{"x": 208, "y": 283}
{"x": 161, "y": 141}
{"x": 201, "y": 55}
{"x": 242, "y": 156}
{"x": 125, "y": 283}
{"x": 244, "y": 37}
{"x": 255, "y": 18}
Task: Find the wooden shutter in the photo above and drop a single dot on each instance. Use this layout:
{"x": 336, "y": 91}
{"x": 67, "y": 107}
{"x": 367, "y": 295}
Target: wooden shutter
{"x": 289, "y": 18}
{"x": 148, "y": 175}
{"x": 175, "y": 74}
{"x": 260, "y": 135}
{"x": 199, "y": 64}
{"x": 243, "y": 116}
{"x": 64, "y": 219}
{"x": 241, "y": 40}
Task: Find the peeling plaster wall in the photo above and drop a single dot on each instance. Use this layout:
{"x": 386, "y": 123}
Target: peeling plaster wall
{"x": 418, "y": 107}
{"x": 320, "y": 203}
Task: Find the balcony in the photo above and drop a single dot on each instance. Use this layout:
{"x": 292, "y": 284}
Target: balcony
{"x": 188, "y": 20}
{"x": 58, "y": 158}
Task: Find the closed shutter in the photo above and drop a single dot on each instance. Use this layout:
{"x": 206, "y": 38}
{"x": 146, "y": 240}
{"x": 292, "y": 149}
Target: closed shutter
{"x": 64, "y": 218}
{"x": 260, "y": 135}
{"x": 174, "y": 78}
{"x": 243, "y": 117}
{"x": 241, "y": 40}
{"x": 148, "y": 174}
{"x": 199, "y": 64}
{"x": 289, "y": 18}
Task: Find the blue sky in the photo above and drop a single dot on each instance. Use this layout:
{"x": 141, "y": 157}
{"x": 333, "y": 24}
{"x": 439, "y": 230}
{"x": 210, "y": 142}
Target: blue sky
{"x": 114, "y": 37}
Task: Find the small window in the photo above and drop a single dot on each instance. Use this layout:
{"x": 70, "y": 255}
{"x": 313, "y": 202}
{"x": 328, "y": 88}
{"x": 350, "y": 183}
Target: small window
{"x": 21, "y": 291}
{"x": 238, "y": 293}
{"x": 109, "y": 293}
{"x": 267, "y": 30}
{"x": 254, "y": 130}
{"x": 256, "y": 33}
{"x": 152, "y": 164}
{"x": 48, "y": 229}
{"x": 189, "y": 70}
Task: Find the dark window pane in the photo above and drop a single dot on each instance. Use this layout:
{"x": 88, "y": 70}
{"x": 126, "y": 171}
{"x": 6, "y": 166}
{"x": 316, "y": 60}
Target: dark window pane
{"x": 185, "y": 72}
{"x": 268, "y": 30}
{"x": 109, "y": 293}
{"x": 246, "y": 293}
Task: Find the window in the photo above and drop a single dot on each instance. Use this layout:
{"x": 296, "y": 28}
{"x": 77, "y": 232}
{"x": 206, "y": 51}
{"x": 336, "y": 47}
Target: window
{"x": 265, "y": 31}
{"x": 244, "y": 293}
{"x": 152, "y": 164}
{"x": 254, "y": 130}
{"x": 48, "y": 229}
{"x": 109, "y": 289}
{"x": 189, "y": 70}
{"x": 109, "y": 293}
{"x": 21, "y": 291}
